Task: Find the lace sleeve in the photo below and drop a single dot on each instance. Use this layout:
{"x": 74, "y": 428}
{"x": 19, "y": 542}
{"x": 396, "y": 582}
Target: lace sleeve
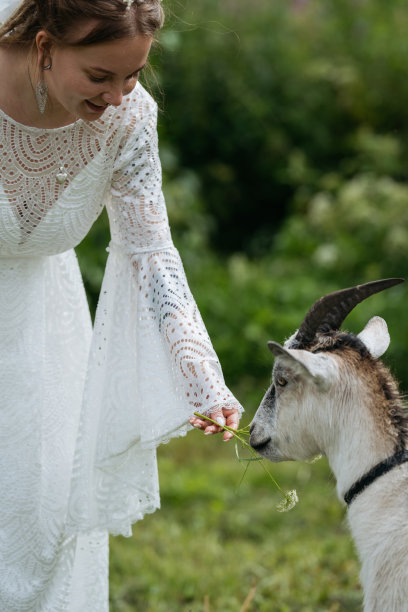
{"x": 140, "y": 229}
{"x": 151, "y": 363}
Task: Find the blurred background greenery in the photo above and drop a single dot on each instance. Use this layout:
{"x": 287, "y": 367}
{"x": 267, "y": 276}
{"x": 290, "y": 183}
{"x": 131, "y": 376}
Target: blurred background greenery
{"x": 283, "y": 130}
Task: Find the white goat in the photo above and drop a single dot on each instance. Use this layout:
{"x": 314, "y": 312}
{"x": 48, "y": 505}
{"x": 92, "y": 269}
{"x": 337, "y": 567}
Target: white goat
{"x": 330, "y": 394}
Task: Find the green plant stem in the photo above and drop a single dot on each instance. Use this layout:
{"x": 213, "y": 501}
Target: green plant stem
{"x": 238, "y": 433}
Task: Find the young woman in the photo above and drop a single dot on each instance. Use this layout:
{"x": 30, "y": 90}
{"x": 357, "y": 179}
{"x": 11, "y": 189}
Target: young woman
{"x": 82, "y": 411}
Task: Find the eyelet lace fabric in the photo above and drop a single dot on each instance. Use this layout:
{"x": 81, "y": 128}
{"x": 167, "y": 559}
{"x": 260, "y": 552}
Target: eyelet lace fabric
{"x": 84, "y": 409}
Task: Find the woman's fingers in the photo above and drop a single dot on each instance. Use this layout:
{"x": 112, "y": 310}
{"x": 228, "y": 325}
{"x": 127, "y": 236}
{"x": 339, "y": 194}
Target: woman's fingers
{"x": 208, "y": 427}
{"x": 232, "y": 418}
{"x": 228, "y": 417}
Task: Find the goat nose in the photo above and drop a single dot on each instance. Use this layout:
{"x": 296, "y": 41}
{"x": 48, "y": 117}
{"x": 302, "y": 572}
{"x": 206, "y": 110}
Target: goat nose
{"x": 259, "y": 443}
{"x": 258, "y": 439}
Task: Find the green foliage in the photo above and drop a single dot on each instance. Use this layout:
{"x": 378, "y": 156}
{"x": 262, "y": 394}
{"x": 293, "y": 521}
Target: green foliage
{"x": 92, "y": 256}
{"x": 262, "y": 99}
{"x": 346, "y": 236}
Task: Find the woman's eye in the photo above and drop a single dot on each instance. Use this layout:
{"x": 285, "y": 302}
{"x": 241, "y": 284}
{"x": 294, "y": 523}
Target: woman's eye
{"x": 281, "y": 382}
{"x": 97, "y": 79}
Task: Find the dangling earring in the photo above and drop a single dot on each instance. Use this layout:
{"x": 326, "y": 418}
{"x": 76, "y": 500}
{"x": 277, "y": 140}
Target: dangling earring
{"x": 41, "y": 91}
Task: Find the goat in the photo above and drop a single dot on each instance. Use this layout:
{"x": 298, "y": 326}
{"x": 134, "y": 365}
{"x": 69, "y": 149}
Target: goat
{"x": 331, "y": 394}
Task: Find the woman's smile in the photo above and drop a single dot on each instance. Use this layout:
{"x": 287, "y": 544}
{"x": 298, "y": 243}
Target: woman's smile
{"x": 96, "y": 108}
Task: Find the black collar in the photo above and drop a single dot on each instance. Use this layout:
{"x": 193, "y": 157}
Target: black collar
{"x": 378, "y": 470}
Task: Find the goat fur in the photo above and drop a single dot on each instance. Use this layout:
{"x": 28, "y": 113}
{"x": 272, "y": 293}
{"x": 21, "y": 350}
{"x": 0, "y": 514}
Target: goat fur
{"x": 338, "y": 399}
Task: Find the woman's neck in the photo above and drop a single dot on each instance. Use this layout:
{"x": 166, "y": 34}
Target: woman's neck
{"x": 19, "y": 71}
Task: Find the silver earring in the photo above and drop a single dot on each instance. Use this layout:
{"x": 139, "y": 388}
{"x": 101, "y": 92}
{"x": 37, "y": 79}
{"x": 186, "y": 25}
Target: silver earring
{"x": 41, "y": 91}
{"x": 41, "y": 94}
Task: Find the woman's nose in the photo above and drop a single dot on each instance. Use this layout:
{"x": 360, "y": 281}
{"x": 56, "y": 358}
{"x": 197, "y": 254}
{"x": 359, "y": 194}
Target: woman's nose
{"x": 114, "y": 97}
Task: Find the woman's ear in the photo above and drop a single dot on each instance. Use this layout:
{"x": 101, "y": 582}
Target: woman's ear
{"x": 44, "y": 44}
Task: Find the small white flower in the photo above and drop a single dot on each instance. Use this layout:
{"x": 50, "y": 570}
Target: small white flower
{"x": 288, "y": 502}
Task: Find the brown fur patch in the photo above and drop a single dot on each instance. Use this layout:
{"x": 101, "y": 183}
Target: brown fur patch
{"x": 388, "y": 406}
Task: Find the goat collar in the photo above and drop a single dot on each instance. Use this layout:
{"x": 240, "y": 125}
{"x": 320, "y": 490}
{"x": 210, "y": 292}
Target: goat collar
{"x": 378, "y": 470}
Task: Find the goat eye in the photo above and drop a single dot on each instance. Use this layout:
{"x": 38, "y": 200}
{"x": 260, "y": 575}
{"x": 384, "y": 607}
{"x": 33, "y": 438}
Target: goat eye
{"x": 281, "y": 382}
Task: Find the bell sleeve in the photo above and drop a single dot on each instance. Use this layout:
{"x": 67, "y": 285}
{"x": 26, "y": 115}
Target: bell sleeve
{"x": 152, "y": 364}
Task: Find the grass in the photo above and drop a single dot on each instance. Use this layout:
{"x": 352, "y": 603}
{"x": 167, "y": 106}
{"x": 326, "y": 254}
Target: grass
{"x": 220, "y": 546}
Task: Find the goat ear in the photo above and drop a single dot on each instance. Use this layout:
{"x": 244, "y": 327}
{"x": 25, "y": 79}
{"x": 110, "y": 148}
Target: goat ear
{"x": 306, "y": 364}
{"x": 375, "y": 337}
{"x": 288, "y": 358}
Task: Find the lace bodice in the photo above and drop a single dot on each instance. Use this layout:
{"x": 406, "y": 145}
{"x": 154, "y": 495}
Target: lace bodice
{"x": 117, "y": 153}
{"x": 38, "y": 215}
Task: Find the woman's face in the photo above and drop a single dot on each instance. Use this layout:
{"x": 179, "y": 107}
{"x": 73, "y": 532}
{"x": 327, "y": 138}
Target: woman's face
{"x": 84, "y": 80}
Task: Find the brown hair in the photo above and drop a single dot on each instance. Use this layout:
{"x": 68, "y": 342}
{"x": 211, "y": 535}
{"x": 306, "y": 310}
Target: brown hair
{"x": 60, "y": 18}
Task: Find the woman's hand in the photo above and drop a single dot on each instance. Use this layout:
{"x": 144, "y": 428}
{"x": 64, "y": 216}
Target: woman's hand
{"x": 229, "y": 417}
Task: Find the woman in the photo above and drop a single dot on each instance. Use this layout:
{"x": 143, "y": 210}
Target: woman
{"x": 83, "y": 410}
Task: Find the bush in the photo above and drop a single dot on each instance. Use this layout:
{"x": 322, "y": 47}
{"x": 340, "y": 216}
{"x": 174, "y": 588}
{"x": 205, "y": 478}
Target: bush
{"x": 262, "y": 99}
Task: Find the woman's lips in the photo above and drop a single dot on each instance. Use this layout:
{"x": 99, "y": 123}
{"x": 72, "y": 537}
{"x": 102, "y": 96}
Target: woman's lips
{"x": 95, "y": 108}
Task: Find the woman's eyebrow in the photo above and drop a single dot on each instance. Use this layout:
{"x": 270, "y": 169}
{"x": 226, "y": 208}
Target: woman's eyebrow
{"x": 98, "y": 69}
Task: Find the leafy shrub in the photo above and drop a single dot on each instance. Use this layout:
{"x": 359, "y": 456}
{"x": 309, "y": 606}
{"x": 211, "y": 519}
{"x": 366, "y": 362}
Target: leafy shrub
{"x": 263, "y": 98}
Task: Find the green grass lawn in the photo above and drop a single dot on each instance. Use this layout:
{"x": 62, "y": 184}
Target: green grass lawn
{"x": 220, "y": 546}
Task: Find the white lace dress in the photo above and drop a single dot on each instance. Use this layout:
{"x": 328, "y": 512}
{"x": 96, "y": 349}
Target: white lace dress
{"x": 83, "y": 410}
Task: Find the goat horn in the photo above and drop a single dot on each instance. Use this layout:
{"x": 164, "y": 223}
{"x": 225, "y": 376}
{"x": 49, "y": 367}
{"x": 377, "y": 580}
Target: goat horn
{"x": 329, "y": 312}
